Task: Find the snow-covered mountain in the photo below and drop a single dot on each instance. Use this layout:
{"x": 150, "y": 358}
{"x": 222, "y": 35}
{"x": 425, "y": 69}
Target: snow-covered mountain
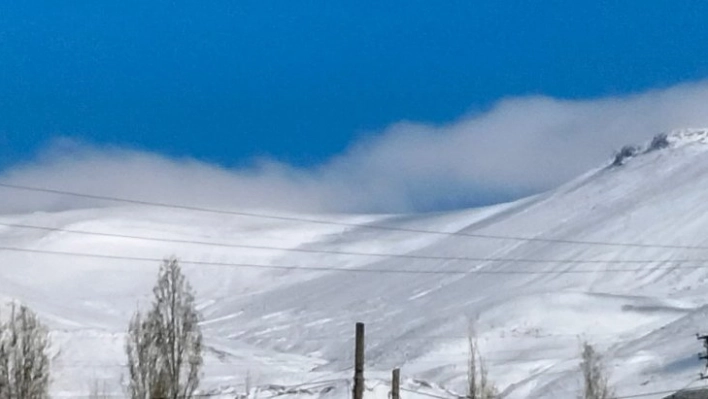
{"x": 617, "y": 257}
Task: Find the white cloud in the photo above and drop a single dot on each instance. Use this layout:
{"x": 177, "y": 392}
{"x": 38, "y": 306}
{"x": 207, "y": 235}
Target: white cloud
{"x": 520, "y": 146}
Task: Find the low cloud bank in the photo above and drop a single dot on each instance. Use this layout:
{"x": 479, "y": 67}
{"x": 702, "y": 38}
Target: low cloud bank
{"x": 518, "y": 147}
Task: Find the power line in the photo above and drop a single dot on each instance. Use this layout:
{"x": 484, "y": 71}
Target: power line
{"x": 456, "y": 337}
{"x": 410, "y": 362}
{"x": 348, "y": 253}
{"x": 370, "y": 336}
{"x": 346, "y": 224}
{"x": 375, "y": 338}
{"x": 348, "y": 270}
{"x": 512, "y": 359}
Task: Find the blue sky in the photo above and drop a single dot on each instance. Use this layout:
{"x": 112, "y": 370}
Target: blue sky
{"x": 304, "y": 82}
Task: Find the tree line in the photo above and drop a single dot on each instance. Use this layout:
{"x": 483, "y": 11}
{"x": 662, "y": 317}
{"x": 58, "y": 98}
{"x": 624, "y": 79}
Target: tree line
{"x": 164, "y": 351}
{"x": 163, "y": 346}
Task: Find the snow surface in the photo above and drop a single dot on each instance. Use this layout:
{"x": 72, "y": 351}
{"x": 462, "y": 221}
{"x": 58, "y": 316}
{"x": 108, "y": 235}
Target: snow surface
{"x": 289, "y": 333}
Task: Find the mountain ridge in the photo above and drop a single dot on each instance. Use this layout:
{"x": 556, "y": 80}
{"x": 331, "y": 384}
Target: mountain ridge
{"x": 284, "y": 327}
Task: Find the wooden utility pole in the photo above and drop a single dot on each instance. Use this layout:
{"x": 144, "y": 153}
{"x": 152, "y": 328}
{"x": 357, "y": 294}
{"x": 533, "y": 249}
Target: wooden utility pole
{"x": 396, "y": 384}
{"x": 703, "y": 356}
{"x": 359, "y": 362}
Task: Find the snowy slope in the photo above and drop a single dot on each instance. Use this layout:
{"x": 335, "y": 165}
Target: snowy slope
{"x": 290, "y": 332}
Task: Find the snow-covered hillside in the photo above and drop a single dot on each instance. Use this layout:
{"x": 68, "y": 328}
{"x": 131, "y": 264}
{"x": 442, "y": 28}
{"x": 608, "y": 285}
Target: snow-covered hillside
{"x": 289, "y": 331}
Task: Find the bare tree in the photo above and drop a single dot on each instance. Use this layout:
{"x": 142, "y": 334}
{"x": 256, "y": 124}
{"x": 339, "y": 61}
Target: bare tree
{"x": 24, "y": 362}
{"x": 595, "y": 379}
{"x": 164, "y": 346}
{"x": 478, "y": 384}
{"x": 143, "y": 357}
